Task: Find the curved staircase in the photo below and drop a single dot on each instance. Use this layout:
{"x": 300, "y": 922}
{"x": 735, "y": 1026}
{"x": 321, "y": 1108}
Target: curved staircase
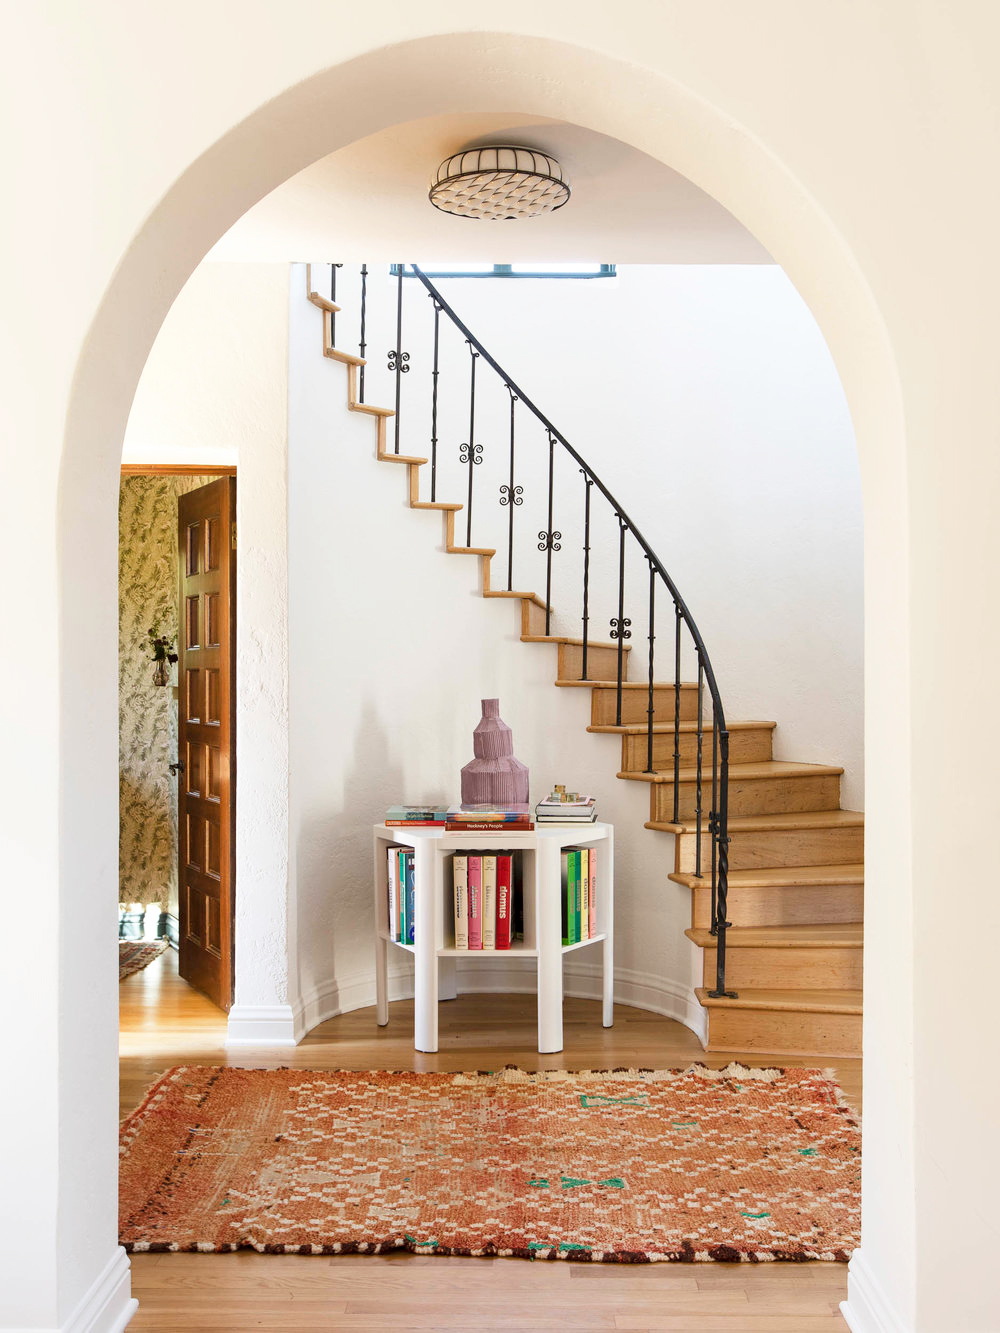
{"x": 793, "y": 895}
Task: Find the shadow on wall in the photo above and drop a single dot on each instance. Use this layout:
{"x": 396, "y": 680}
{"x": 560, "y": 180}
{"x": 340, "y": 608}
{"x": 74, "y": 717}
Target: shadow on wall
{"x": 334, "y": 861}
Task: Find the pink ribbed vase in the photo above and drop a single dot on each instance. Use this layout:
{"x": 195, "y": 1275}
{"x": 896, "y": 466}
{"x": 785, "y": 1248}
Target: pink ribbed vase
{"x": 494, "y": 777}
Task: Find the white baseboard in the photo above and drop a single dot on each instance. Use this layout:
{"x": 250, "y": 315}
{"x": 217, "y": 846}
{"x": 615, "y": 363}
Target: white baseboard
{"x": 511, "y": 976}
{"x": 867, "y": 1308}
{"x": 262, "y": 1025}
{"x": 109, "y": 1305}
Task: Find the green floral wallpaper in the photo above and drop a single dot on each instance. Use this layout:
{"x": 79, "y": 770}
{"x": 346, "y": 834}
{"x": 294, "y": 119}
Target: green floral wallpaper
{"x": 147, "y": 713}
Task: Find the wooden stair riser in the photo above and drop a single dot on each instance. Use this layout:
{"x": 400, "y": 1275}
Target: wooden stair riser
{"x": 636, "y": 702}
{"x": 782, "y": 905}
{"x": 532, "y": 618}
{"x": 749, "y": 796}
{"x": 746, "y": 745}
{"x": 780, "y": 847}
{"x": 783, "y": 1032}
{"x": 602, "y": 663}
{"x": 788, "y": 968}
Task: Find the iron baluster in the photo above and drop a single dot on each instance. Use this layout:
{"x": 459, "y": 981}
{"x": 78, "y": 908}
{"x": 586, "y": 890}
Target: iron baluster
{"x": 434, "y": 402}
{"x": 399, "y": 361}
{"x": 548, "y": 541}
{"x": 471, "y": 453}
{"x": 713, "y": 817}
{"x": 587, "y": 484}
{"x": 620, "y": 627}
{"x": 722, "y": 893}
{"x": 650, "y": 708}
{"x": 333, "y": 301}
{"x": 511, "y": 495}
{"x": 677, "y": 711}
{"x": 697, "y": 798}
{"x": 362, "y": 345}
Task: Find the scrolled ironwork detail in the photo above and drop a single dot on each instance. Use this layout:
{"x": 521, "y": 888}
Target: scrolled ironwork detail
{"x": 620, "y": 628}
{"x": 398, "y": 361}
{"x": 511, "y": 498}
{"x": 470, "y": 453}
{"x": 549, "y": 541}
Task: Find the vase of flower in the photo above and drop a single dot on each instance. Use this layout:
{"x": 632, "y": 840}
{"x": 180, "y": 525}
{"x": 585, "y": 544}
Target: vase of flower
{"x": 494, "y": 776}
{"x": 164, "y": 654}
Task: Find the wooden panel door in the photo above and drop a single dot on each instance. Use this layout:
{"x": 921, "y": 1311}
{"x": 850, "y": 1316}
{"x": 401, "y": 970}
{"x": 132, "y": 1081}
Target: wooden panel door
{"x": 207, "y": 736}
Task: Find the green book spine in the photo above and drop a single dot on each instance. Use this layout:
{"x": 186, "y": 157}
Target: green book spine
{"x": 401, "y": 873}
{"x": 574, "y": 898}
{"x": 564, "y": 898}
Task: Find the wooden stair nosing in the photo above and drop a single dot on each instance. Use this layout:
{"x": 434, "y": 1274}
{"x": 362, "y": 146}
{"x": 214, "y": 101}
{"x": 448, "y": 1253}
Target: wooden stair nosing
{"x": 573, "y": 643}
{"x": 804, "y": 1001}
{"x": 372, "y": 411}
{"x": 532, "y": 597}
{"x": 666, "y": 728}
{"x": 324, "y": 304}
{"x": 758, "y": 770}
{"x": 345, "y": 358}
{"x": 410, "y": 459}
{"x": 435, "y": 504}
{"x": 792, "y": 877}
{"x": 613, "y": 685}
{"x": 839, "y": 935}
{"x": 471, "y": 550}
{"x": 771, "y": 823}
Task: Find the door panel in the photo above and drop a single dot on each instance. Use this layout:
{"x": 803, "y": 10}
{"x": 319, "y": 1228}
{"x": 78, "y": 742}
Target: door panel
{"x": 207, "y": 740}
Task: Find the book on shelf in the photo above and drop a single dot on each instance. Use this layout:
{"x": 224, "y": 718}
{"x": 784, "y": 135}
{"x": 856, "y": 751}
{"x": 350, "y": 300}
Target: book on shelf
{"x": 485, "y": 889}
{"x": 508, "y": 826}
{"x": 492, "y": 814}
{"x": 418, "y": 816}
{"x": 578, "y": 898}
{"x": 562, "y": 809}
{"x": 400, "y": 894}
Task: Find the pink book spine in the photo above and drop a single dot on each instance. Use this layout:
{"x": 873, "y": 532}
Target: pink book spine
{"x": 475, "y": 902}
{"x": 592, "y": 895}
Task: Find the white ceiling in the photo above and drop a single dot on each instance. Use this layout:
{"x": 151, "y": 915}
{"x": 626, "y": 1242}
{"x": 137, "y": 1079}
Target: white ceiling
{"x": 368, "y": 201}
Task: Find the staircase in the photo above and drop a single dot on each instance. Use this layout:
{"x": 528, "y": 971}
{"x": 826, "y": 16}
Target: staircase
{"x": 775, "y": 871}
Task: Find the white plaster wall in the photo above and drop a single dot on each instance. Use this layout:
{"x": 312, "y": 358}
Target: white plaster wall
{"x": 214, "y": 390}
{"x": 732, "y": 392}
{"x": 857, "y": 142}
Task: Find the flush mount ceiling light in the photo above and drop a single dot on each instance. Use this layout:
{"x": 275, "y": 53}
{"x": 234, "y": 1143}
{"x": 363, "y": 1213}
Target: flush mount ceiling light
{"x": 499, "y": 182}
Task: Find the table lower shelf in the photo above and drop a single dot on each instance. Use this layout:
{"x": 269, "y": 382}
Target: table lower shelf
{"x": 515, "y": 950}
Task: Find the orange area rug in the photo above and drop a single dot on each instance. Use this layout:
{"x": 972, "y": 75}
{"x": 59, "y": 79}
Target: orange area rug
{"x": 627, "y": 1166}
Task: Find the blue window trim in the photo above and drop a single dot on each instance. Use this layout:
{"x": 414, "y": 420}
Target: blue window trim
{"x": 506, "y": 271}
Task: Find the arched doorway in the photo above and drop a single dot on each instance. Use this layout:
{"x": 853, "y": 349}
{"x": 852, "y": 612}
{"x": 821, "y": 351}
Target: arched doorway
{"x": 306, "y": 122}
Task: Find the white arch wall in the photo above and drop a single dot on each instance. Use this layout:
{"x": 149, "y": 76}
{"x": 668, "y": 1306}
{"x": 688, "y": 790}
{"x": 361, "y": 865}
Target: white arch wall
{"x": 856, "y": 143}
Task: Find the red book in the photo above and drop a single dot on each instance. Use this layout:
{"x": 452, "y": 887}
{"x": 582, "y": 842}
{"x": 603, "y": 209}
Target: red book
{"x": 509, "y": 826}
{"x": 504, "y": 861}
{"x": 475, "y": 902}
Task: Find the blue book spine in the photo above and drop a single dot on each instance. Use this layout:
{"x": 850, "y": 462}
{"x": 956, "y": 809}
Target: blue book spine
{"x": 409, "y": 897}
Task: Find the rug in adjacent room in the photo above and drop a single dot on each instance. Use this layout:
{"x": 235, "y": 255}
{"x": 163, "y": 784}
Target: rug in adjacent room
{"x": 134, "y": 956}
{"x": 628, "y": 1166}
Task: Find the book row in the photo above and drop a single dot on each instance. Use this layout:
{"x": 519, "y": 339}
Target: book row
{"x": 579, "y": 895}
{"x": 487, "y": 900}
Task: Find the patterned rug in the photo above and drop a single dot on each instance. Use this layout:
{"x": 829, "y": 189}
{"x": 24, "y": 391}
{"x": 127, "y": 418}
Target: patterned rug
{"x": 134, "y": 956}
{"x": 628, "y": 1166}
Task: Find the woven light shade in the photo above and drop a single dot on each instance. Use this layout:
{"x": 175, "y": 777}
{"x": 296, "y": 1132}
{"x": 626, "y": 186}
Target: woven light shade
{"x": 499, "y": 182}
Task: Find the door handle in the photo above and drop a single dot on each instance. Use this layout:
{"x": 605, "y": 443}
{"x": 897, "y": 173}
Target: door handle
{"x": 176, "y": 768}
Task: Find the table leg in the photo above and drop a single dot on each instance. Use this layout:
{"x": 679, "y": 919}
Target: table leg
{"x": 425, "y": 980}
{"x": 381, "y": 982}
{"x": 550, "y": 962}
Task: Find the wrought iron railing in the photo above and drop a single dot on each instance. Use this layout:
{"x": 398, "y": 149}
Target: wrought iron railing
{"x": 697, "y": 770}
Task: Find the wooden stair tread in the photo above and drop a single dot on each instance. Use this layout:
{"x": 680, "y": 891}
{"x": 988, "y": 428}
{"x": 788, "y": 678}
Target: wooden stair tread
{"x": 523, "y": 596}
{"x": 372, "y": 411}
{"x": 751, "y": 772}
{"x": 613, "y": 684}
{"x": 435, "y": 504}
{"x": 666, "y": 728}
{"x": 470, "y": 550}
{"x": 574, "y": 643}
{"x": 802, "y": 1001}
{"x": 807, "y": 819}
{"x": 852, "y": 872}
{"x": 347, "y": 358}
{"x": 844, "y": 935}
{"x": 323, "y": 303}
{"x": 411, "y": 459}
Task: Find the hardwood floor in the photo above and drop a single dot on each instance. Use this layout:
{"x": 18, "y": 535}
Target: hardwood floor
{"x": 164, "y": 1022}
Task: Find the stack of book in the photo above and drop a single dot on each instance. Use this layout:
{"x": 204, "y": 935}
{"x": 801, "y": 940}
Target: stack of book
{"x": 564, "y": 807}
{"x": 487, "y": 900}
{"x": 399, "y": 896}
{"x": 489, "y": 819}
{"x": 579, "y": 895}
{"x": 416, "y": 816}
